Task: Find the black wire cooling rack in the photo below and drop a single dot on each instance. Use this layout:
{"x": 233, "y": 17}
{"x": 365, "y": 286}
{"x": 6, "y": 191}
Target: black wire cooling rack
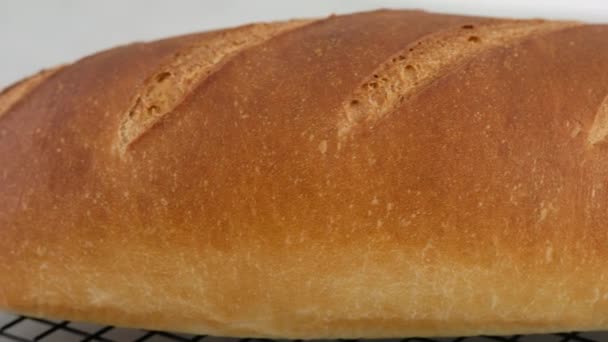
{"x": 26, "y": 329}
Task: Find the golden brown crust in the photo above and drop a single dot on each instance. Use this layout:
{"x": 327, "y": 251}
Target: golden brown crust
{"x": 599, "y": 130}
{"x": 478, "y": 206}
{"x": 13, "y": 94}
{"x": 428, "y": 59}
{"x": 175, "y": 80}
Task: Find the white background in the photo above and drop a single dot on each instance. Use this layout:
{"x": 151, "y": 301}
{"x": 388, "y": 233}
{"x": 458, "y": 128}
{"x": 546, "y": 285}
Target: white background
{"x": 39, "y": 33}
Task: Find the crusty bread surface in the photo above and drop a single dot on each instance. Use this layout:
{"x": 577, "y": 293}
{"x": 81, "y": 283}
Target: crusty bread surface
{"x": 379, "y": 174}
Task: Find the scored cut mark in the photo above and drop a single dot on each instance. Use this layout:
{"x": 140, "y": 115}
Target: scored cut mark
{"x": 11, "y": 95}
{"x": 427, "y": 60}
{"x": 166, "y": 89}
{"x": 599, "y": 130}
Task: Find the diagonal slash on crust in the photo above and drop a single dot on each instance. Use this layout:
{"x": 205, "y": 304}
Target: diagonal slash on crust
{"x": 599, "y": 130}
{"x": 167, "y": 88}
{"x": 431, "y": 57}
{"x": 13, "y": 94}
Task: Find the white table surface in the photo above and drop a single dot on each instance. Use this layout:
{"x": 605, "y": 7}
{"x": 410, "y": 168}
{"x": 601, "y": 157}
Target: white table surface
{"x": 36, "y": 34}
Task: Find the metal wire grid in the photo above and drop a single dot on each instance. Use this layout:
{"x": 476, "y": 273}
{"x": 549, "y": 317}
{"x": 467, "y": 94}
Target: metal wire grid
{"x": 26, "y": 329}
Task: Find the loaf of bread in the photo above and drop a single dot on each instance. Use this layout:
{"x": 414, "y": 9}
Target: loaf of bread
{"x": 380, "y": 174}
